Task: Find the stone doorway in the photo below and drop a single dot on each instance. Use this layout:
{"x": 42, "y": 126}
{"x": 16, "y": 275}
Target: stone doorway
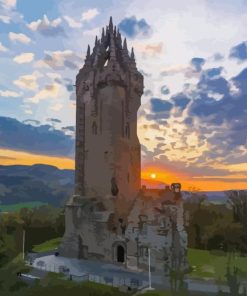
{"x": 120, "y": 254}
{"x": 83, "y": 250}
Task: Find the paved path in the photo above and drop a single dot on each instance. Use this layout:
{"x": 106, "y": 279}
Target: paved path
{"x": 80, "y": 268}
{"x": 116, "y": 273}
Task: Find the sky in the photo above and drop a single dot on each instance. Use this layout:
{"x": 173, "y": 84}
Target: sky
{"x": 193, "y": 55}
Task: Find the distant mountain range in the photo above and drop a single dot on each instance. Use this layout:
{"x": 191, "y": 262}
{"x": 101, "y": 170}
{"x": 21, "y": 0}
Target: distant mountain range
{"x": 48, "y": 184}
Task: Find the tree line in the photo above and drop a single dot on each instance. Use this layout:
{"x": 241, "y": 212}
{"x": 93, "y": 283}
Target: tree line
{"x": 217, "y": 226}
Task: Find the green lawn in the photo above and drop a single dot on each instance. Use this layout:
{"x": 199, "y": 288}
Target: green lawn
{"x": 18, "y": 206}
{"x": 212, "y": 265}
{"x": 48, "y": 245}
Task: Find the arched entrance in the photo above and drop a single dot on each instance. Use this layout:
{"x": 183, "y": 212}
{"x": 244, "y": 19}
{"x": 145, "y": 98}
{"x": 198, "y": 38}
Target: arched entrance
{"x": 120, "y": 254}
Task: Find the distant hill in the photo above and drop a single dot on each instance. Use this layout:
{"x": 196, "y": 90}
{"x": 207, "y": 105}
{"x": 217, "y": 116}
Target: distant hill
{"x": 216, "y": 197}
{"x": 48, "y": 184}
{"x": 153, "y": 184}
{"x": 43, "y": 183}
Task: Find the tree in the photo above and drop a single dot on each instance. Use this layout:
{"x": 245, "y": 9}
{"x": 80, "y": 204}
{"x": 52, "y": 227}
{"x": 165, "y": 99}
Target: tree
{"x": 238, "y": 203}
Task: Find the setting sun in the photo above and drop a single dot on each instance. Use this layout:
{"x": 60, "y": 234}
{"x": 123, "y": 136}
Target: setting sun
{"x": 153, "y": 176}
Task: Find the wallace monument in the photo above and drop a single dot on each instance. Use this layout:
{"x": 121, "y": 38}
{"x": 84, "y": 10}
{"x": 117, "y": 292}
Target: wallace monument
{"x": 110, "y": 217}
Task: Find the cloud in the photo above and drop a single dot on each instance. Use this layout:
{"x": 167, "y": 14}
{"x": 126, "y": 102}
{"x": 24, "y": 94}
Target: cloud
{"x": 239, "y": 51}
{"x": 197, "y": 63}
{"x": 3, "y": 48}
{"x": 72, "y": 96}
{"x": 213, "y": 72}
{"x": 222, "y": 121}
{"x": 43, "y": 139}
{"x": 89, "y": 14}
{"x": 5, "y": 19}
{"x": 46, "y": 27}
{"x": 72, "y": 23}
{"x": 56, "y": 107}
{"x": 49, "y": 91}
{"x": 28, "y": 82}
{"x": 159, "y": 105}
{"x": 69, "y": 128}
{"x": 164, "y": 90}
{"x": 204, "y": 127}
{"x": 54, "y": 120}
{"x": 31, "y": 121}
{"x": 132, "y": 27}
{"x": 26, "y": 57}
{"x": 211, "y": 81}
{"x": 173, "y": 70}
{"x": 148, "y": 93}
{"x": 22, "y": 38}
{"x": 160, "y": 109}
{"x": 58, "y": 60}
{"x": 180, "y": 100}
{"x": 39, "y": 64}
{"x": 92, "y": 32}
{"x": 8, "y": 4}
{"x": 240, "y": 81}
{"x": 151, "y": 49}
{"x": 28, "y": 111}
{"x": 9, "y": 12}
{"x": 217, "y": 57}
{"x": 8, "y": 93}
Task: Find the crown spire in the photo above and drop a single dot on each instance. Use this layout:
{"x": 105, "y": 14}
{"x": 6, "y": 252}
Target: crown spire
{"x": 132, "y": 54}
{"x": 87, "y": 59}
{"x": 112, "y": 49}
{"x": 119, "y": 39}
{"x": 111, "y": 25}
{"x": 103, "y": 33}
{"x": 88, "y": 51}
{"x": 132, "y": 60}
{"x": 125, "y": 44}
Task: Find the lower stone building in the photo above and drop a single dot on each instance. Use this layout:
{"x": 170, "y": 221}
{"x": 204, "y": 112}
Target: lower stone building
{"x": 95, "y": 231}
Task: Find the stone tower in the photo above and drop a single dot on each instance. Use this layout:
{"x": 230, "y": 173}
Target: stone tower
{"x": 108, "y": 93}
{"x": 109, "y": 218}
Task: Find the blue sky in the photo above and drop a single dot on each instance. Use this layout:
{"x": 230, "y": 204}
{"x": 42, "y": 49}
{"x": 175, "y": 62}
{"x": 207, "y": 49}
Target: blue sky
{"x": 193, "y": 55}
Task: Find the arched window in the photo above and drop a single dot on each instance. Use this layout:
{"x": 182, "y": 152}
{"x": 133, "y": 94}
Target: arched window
{"x": 106, "y": 155}
{"x": 127, "y": 130}
{"x": 94, "y": 128}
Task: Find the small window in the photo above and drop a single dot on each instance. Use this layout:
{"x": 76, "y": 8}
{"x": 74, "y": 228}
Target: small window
{"x": 86, "y": 154}
{"x": 127, "y": 130}
{"x": 106, "y": 155}
{"x": 94, "y": 128}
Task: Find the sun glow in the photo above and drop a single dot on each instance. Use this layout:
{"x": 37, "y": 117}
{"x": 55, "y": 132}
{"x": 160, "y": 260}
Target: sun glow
{"x": 153, "y": 176}
{"x": 11, "y": 157}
